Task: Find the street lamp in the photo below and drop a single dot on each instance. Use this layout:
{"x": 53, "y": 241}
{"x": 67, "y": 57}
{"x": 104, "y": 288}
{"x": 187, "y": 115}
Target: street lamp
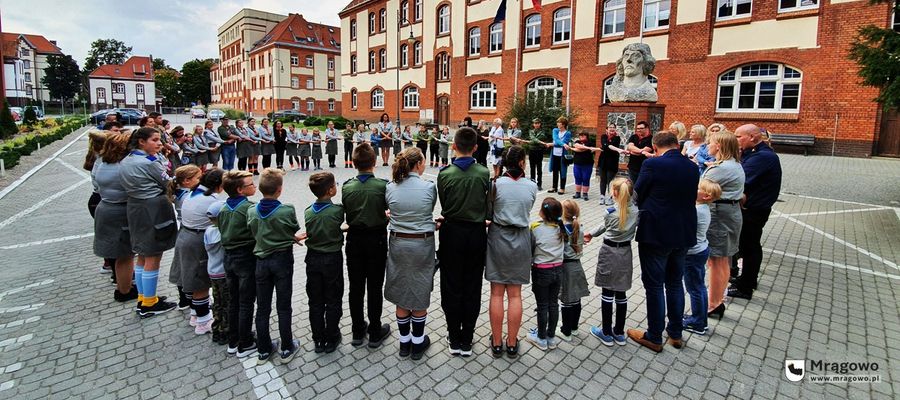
{"x": 411, "y": 39}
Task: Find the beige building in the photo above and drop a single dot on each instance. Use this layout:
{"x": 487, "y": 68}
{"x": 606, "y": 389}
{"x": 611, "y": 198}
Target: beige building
{"x": 32, "y": 52}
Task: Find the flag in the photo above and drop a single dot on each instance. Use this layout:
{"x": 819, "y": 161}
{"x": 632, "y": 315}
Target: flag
{"x": 536, "y": 4}
{"x": 501, "y": 12}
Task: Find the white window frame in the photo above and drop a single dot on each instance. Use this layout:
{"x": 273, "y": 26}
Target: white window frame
{"x": 371, "y": 23}
{"x": 533, "y": 31}
{"x": 118, "y": 88}
{"x": 404, "y": 12}
{"x": 354, "y": 98}
{"x": 411, "y": 97}
{"x": 404, "y": 55}
{"x": 443, "y": 19}
{"x": 331, "y": 64}
{"x": 352, "y": 29}
{"x": 734, "y": 78}
{"x": 295, "y": 104}
{"x": 798, "y": 6}
{"x": 295, "y": 60}
{"x": 101, "y": 95}
{"x": 372, "y": 61}
{"x": 614, "y": 9}
{"x": 310, "y": 105}
{"x": 382, "y": 58}
{"x": 139, "y": 89}
{"x": 417, "y": 11}
{"x": 496, "y": 38}
{"x": 377, "y": 99}
{"x": 562, "y": 25}
{"x": 734, "y": 9}
{"x": 382, "y": 20}
{"x": 353, "y": 66}
{"x": 310, "y": 83}
{"x": 475, "y": 41}
{"x": 653, "y": 12}
{"x": 295, "y": 82}
{"x": 331, "y": 105}
{"x": 26, "y": 64}
{"x": 331, "y": 84}
{"x": 443, "y": 66}
{"x": 417, "y": 53}
{"x": 545, "y": 84}
{"x": 309, "y": 62}
{"x": 483, "y": 96}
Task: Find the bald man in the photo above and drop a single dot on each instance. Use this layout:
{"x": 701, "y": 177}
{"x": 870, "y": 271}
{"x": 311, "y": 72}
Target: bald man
{"x": 762, "y": 169}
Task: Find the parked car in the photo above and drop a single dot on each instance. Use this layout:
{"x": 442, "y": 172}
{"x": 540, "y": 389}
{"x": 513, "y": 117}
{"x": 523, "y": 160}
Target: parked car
{"x": 17, "y": 112}
{"x": 15, "y": 115}
{"x": 198, "y": 113}
{"x": 216, "y": 114}
{"x": 130, "y": 116}
{"x": 293, "y": 115}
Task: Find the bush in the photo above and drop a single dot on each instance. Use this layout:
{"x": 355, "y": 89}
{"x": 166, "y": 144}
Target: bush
{"x": 313, "y": 121}
{"x": 233, "y": 114}
{"x": 12, "y": 150}
{"x": 30, "y": 117}
{"x": 7, "y": 124}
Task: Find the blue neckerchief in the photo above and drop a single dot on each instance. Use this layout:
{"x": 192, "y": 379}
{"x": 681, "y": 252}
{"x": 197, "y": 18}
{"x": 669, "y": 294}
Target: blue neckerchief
{"x": 266, "y": 207}
{"x": 463, "y": 163}
{"x": 364, "y": 177}
{"x": 181, "y": 193}
{"x": 317, "y": 207}
{"x": 145, "y": 155}
{"x": 569, "y": 228}
{"x": 611, "y": 210}
{"x": 198, "y": 191}
{"x": 234, "y": 202}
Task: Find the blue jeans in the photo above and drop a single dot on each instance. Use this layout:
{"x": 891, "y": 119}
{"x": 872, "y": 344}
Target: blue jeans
{"x": 228, "y": 154}
{"x": 695, "y": 284}
{"x": 545, "y": 285}
{"x": 274, "y": 274}
{"x": 662, "y": 271}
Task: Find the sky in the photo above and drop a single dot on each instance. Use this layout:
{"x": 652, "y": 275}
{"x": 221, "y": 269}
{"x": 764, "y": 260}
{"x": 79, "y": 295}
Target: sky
{"x": 175, "y": 30}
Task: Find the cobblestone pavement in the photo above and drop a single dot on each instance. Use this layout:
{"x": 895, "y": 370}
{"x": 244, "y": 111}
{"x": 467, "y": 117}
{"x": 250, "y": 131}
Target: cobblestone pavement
{"x": 829, "y": 291}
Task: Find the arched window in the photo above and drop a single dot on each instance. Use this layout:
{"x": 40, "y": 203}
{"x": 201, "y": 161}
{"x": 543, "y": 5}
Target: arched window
{"x": 378, "y": 98}
{"x": 475, "y": 41}
{"x": 417, "y": 53}
{"x": 295, "y": 82}
{"x": 353, "y": 98}
{"x": 382, "y": 20}
{"x": 540, "y": 88}
{"x": 310, "y": 104}
{"x": 608, "y": 81}
{"x": 613, "y": 17}
{"x": 411, "y": 97}
{"x": 656, "y": 13}
{"x": 371, "y": 61}
{"x": 562, "y": 25}
{"x": 760, "y": 87}
{"x": 119, "y": 88}
{"x": 371, "y": 23}
{"x": 382, "y": 59}
{"x": 404, "y": 56}
{"x": 484, "y": 96}
{"x": 404, "y": 12}
{"x": 443, "y": 66}
{"x": 533, "y": 30}
{"x": 352, "y": 29}
{"x": 443, "y": 19}
{"x": 353, "y": 64}
{"x": 417, "y": 11}
{"x": 733, "y": 8}
{"x": 496, "y": 40}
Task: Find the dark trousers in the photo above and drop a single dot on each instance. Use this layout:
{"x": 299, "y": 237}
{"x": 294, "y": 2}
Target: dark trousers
{"x": 274, "y": 274}
{"x": 240, "y": 273}
{"x": 536, "y": 161}
{"x": 606, "y": 177}
{"x": 434, "y": 154}
{"x": 221, "y": 307}
{"x": 633, "y": 175}
{"x": 559, "y": 172}
{"x": 366, "y": 259}
{"x": 424, "y": 147}
{"x": 750, "y": 245}
{"x": 242, "y": 163}
{"x": 279, "y": 156}
{"x": 267, "y": 161}
{"x": 461, "y": 261}
{"x": 331, "y": 158}
{"x": 662, "y": 271}
{"x": 348, "y": 151}
{"x": 325, "y": 288}
{"x": 545, "y": 284}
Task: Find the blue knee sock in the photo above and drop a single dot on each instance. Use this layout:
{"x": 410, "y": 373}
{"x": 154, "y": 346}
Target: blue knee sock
{"x": 150, "y": 279}
{"x": 139, "y": 279}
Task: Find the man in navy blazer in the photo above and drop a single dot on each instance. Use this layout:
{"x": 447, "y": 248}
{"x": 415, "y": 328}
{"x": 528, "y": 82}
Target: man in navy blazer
{"x": 666, "y": 192}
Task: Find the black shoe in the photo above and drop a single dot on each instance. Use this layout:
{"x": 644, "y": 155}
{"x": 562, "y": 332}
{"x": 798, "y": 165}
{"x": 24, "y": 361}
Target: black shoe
{"x": 263, "y": 358}
{"x": 733, "y": 278}
{"x": 418, "y": 350}
{"x": 376, "y": 340}
{"x": 697, "y": 330}
{"x": 513, "y": 351}
{"x": 320, "y": 347}
{"x": 552, "y": 190}
{"x": 585, "y": 197}
{"x": 736, "y": 293}
{"x": 465, "y": 350}
{"x": 577, "y": 195}
{"x": 246, "y": 351}
{"x": 717, "y": 312}
{"x": 332, "y": 345}
{"x": 359, "y": 336}
{"x": 496, "y": 351}
{"x": 123, "y": 297}
{"x": 405, "y": 349}
{"x": 540, "y": 187}
{"x": 156, "y": 309}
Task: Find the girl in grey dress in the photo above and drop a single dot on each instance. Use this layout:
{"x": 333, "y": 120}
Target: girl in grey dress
{"x": 614, "y": 266}
{"x": 331, "y": 144}
{"x": 292, "y": 147}
{"x": 316, "y": 143}
{"x": 305, "y": 149}
{"x": 444, "y": 148}
{"x": 244, "y": 146}
{"x": 267, "y": 143}
{"x": 409, "y": 276}
{"x": 508, "y": 261}
{"x": 573, "y": 284}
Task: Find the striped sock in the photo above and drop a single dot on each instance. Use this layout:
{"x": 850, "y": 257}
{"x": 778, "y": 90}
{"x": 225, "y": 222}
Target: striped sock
{"x": 201, "y": 307}
{"x": 150, "y": 279}
{"x": 418, "y": 329}
{"x": 403, "y": 328}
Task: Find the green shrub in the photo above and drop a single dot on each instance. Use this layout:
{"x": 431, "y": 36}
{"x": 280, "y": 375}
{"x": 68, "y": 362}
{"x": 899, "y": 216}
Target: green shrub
{"x": 233, "y": 114}
{"x": 543, "y": 106}
{"x": 7, "y": 124}
{"x": 313, "y": 121}
{"x": 30, "y": 117}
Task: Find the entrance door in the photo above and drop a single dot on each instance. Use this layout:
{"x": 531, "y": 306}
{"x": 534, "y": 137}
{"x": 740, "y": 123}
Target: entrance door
{"x": 443, "y": 110}
{"x": 889, "y": 137}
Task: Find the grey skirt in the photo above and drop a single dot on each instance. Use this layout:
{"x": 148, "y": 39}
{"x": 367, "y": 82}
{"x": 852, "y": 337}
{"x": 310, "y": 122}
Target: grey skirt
{"x": 573, "y": 283}
{"x": 152, "y": 225}
{"x": 316, "y": 151}
{"x": 614, "y": 268}
{"x": 508, "y": 259}
{"x": 245, "y": 149}
{"x": 201, "y": 159}
{"x": 292, "y": 150}
{"x": 305, "y": 150}
{"x": 191, "y": 254}
{"x": 409, "y": 276}
{"x": 213, "y": 155}
{"x": 331, "y": 148}
{"x": 724, "y": 229}
{"x": 256, "y": 148}
{"x": 111, "y": 235}
{"x": 267, "y": 149}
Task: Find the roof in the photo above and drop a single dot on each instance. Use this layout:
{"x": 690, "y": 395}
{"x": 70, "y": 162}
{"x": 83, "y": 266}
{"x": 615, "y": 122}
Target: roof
{"x": 352, "y": 5}
{"x": 39, "y": 43}
{"x": 135, "y": 68}
{"x": 295, "y": 31}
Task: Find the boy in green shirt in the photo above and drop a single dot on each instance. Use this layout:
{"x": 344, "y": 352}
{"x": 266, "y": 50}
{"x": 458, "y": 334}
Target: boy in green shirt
{"x": 274, "y": 225}
{"x": 324, "y": 263}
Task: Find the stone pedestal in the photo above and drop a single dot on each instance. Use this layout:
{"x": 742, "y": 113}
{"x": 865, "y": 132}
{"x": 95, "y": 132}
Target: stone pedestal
{"x": 626, "y": 115}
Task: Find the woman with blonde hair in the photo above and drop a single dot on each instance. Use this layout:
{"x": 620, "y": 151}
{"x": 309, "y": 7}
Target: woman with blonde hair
{"x": 679, "y": 130}
{"x": 725, "y": 215}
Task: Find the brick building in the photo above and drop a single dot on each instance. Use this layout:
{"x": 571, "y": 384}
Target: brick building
{"x": 780, "y": 64}
{"x": 273, "y": 62}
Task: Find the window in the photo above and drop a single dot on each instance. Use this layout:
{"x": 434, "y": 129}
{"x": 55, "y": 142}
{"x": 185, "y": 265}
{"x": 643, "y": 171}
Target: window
{"x": 443, "y": 67}
{"x": 371, "y": 61}
{"x": 496, "y": 39}
{"x": 542, "y": 87}
{"x": 475, "y": 41}
{"x": 101, "y": 95}
{"x": 760, "y": 87}
{"x": 139, "y": 88}
{"x": 331, "y": 84}
{"x": 295, "y": 104}
{"x": 404, "y": 56}
{"x": 310, "y": 105}
{"x": 484, "y": 96}
{"x": 417, "y": 53}
{"x": 443, "y": 22}
{"x": 310, "y": 84}
{"x": 382, "y": 59}
{"x": 411, "y": 97}
{"x": 309, "y": 61}
{"x": 352, "y": 29}
{"x": 378, "y": 98}
{"x": 404, "y": 12}
{"x": 371, "y": 23}
{"x": 330, "y": 104}
{"x": 794, "y": 5}
{"x": 353, "y": 99}
{"x": 353, "y": 64}
{"x": 608, "y": 81}
{"x": 331, "y": 64}
{"x": 119, "y": 88}
{"x": 295, "y": 61}
{"x": 382, "y": 20}
{"x": 562, "y": 25}
{"x": 263, "y": 104}
{"x": 28, "y": 90}
{"x": 896, "y": 22}
{"x": 533, "y": 30}
{"x": 26, "y": 64}
{"x": 733, "y": 8}
{"x": 656, "y": 13}
{"x": 295, "y": 82}
{"x": 26, "y": 52}
{"x": 28, "y": 78}
{"x": 417, "y": 11}
{"x": 613, "y": 17}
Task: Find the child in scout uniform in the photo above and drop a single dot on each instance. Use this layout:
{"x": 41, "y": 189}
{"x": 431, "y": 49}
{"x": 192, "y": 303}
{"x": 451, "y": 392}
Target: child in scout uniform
{"x": 407, "y": 137}
{"x": 364, "y": 204}
{"x": 573, "y": 283}
{"x": 215, "y": 267}
{"x": 315, "y": 141}
{"x": 331, "y": 144}
{"x": 397, "y": 139}
{"x": 305, "y": 149}
{"x": 274, "y": 226}
{"x": 324, "y": 263}
{"x": 423, "y": 138}
{"x": 292, "y": 141}
{"x": 435, "y": 147}
{"x": 348, "y": 145}
{"x": 444, "y": 147}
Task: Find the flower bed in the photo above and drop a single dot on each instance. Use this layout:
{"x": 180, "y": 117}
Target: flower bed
{"x": 52, "y": 130}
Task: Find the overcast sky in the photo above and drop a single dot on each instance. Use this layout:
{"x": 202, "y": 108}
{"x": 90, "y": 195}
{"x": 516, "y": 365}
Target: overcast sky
{"x": 176, "y": 30}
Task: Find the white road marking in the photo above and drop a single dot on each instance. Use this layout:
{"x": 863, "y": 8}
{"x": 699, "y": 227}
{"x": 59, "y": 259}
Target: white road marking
{"x": 265, "y": 379}
{"x": 74, "y": 152}
{"x": 46, "y": 241}
{"x": 42, "y": 203}
{"x": 834, "y": 200}
{"x": 20, "y": 322}
{"x": 16, "y": 340}
{"x": 24, "y": 288}
{"x": 75, "y": 170}
{"x": 833, "y": 212}
{"x": 5, "y": 310}
{"x": 833, "y": 264}
{"x": 44, "y": 163}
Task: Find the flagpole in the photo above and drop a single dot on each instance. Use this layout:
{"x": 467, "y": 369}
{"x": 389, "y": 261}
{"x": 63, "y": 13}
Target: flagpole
{"x": 641, "y": 32}
{"x": 571, "y": 43}
{"x": 518, "y": 39}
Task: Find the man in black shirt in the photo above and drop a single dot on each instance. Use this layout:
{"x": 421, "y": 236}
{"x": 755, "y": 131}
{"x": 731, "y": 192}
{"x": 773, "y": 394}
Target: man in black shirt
{"x": 640, "y": 142}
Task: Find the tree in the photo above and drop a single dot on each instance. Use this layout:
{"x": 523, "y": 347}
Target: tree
{"x": 62, "y": 77}
{"x": 106, "y": 51}
{"x": 543, "y": 105}
{"x": 167, "y": 82}
{"x": 195, "y": 82}
{"x": 877, "y": 51}
{"x": 159, "y": 63}
{"x": 7, "y": 124}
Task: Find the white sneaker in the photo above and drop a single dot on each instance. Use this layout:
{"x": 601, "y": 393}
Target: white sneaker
{"x": 203, "y": 328}
{"x": 193, "y": 321}
{"x": 553, "y": 342}
{"x": 536, "y": 341}
{"x": 566, "y": 338}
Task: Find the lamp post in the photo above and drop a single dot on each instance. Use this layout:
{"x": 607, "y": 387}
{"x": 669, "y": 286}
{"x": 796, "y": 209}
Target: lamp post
{"x": 410, "y": 40}
{"x": 281, "y": 69}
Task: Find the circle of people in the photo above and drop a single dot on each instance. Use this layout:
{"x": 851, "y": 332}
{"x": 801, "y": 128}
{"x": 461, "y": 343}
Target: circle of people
{"x": 693, "y": 204}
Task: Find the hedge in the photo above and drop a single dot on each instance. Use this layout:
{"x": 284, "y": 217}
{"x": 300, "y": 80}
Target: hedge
{"x": 12, "y": 150}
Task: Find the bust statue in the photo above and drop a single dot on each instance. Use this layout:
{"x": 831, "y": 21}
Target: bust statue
{"x": 632, "y": 70}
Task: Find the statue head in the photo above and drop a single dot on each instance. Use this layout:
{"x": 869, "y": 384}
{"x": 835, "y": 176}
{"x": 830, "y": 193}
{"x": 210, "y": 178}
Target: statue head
{"x": 636, "y": 61}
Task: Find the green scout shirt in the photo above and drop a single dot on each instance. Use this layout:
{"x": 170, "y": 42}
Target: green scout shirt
{"x": 363, "y": 201}
{"x": 274, "y": 231}
{"x": 463, "y": 193}
{"x": 323, "y": 227}
{"x": 232, "y": 223}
